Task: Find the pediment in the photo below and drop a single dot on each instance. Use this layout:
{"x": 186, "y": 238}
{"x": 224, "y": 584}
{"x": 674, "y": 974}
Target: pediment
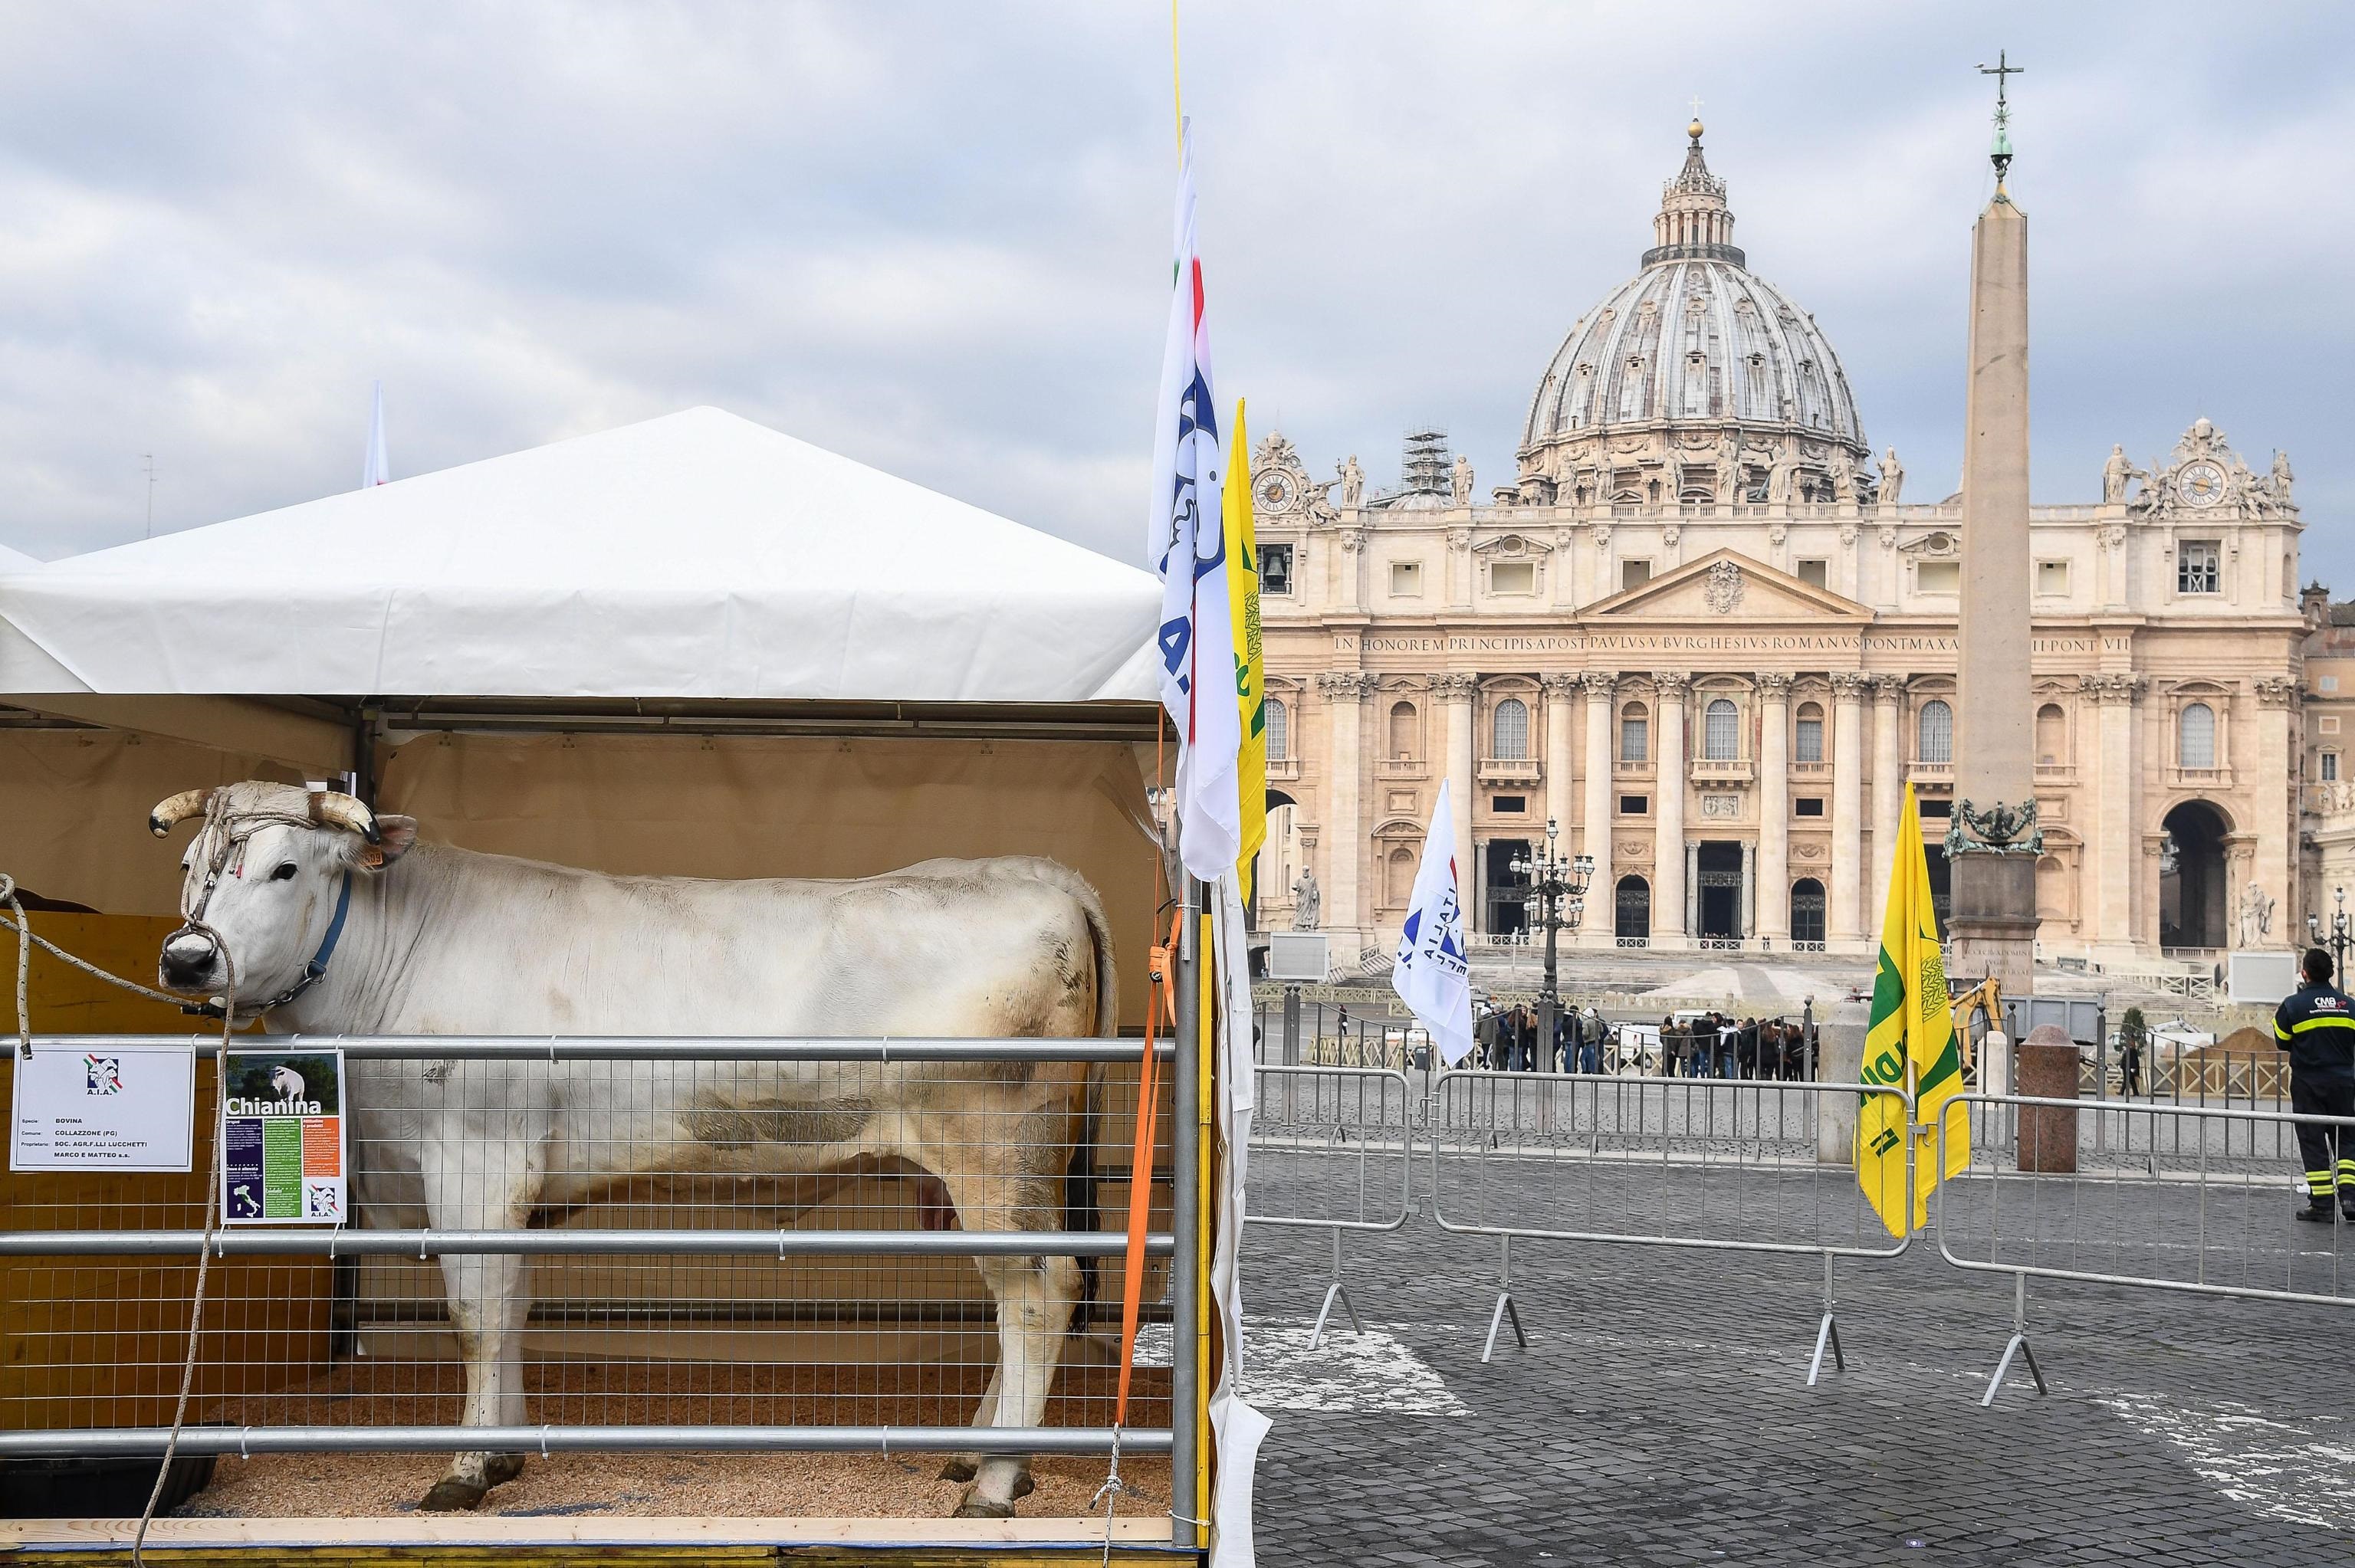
{"x": 1729, "y": 586}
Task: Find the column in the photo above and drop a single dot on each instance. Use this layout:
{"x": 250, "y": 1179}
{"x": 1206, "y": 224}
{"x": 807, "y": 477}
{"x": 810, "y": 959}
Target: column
{"x": 1558, "y": 691}
{"x": 1888, "y": 784}
{"x": 1668, "y": 926}
{"x": 1847, "y": 890}
{"x": 1774, "y": 885}
{"x": 2113, "y": 860}
{"x": 1454, "y": 693}
{"x": 1345, "y": 828}
{"x": 1594, "y": 833}
{"x": 2276, "y": 817}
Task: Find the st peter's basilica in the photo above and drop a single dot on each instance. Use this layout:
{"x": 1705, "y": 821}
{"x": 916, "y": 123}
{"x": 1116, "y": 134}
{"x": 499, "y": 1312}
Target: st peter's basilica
{"x": 1707, "y": 632}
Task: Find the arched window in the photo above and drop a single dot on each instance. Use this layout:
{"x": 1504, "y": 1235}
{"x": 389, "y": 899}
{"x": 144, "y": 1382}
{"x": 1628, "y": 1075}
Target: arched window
{"x": 1279, "y": 731}
{"x": 1632, "y": 916}
{"x": 1635, "y": 733}
{"x": 1509, "y": 729}
{"x": 1808, "y": 911}
{"x": 2051, "y": 735}
{"x": 1809, "y": 746}
{"x": 2051, "y": 889}
{"x": 1720, "y": 731}
{"x": 1401, "y": 732}
{"x": 2196, "y": 737}
{"x": 1935, "y": 733}
{"x": 1398, "y": 878}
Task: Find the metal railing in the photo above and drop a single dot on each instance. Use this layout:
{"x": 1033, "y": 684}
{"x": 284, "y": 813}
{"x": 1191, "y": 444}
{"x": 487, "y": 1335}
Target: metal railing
{"x": 1347, "y": 1133}
{"x": 820, "y": 1291}
{"x": 2181, "y": 1198}
{"x": 1735, "y": 1165}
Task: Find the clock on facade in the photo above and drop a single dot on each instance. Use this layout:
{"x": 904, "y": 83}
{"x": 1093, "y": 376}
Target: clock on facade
{"x": 1278, "y": 491}
{"x": 2200, "y": 483}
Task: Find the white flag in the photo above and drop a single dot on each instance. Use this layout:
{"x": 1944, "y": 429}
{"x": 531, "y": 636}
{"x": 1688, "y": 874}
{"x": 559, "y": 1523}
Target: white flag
{"x": 1186, "y": 547}
{"x": 1433, "y": 976}
{"x": 377, "y": 469}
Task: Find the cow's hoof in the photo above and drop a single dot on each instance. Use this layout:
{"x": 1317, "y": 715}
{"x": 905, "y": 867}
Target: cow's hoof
{"x": 959, "y": 1469}
{"x": 450, "y": 1495}
{"x": 1024, "y": 1486}
{"x": 503, "y": 1467}
{"x": 982, "y": 1508}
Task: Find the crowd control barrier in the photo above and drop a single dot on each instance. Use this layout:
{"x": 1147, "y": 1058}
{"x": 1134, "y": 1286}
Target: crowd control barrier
{"x": 1732, "y": 1165}
{"x": 2184, "y": 1198}
{"x": 1333, "y": 1149}
{"x": 663, "y": 1291}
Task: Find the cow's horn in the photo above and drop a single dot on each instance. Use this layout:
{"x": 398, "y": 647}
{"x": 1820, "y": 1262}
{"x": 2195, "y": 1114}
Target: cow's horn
{"x": 340, "y": 810}
{"x": 177, "y": 808}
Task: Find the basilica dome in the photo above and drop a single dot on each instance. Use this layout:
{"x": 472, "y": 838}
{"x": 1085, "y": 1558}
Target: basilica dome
{"x": 1693, "y": 356}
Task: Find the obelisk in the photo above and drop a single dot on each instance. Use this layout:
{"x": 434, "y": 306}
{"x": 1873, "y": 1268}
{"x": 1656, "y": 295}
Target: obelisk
{"x": 1992, "y": 928}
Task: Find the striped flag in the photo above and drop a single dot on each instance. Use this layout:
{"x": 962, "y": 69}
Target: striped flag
{"x": 1251, "y": 670}
{"x": 1186, "y": 549}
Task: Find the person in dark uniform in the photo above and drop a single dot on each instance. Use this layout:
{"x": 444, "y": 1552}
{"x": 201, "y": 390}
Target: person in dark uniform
{"x": 2315, "y": 1024}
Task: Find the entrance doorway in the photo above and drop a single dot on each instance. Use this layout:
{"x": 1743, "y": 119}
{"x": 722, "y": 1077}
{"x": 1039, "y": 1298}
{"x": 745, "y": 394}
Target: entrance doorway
{"x": 1718, "y": 863}
{"x": 1507, "y": 891}
{"x": 1807, "y": 915}
{"x": 2191, "y": 905}
{"x": 1632, "y": 911}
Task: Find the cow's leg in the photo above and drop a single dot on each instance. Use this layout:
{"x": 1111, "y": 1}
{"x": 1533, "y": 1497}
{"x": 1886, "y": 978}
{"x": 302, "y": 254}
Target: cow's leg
{"x": 489, "y": 1298}
{"x": 1034, "y": 1297}
{"x": 964, "y": 1466}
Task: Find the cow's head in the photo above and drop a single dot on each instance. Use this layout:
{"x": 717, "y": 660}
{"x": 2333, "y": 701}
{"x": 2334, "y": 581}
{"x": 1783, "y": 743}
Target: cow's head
{"x": 262, "y": 877}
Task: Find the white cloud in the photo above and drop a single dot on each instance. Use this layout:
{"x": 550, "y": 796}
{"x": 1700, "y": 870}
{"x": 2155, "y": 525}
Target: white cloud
{"x": 934, "y": 237}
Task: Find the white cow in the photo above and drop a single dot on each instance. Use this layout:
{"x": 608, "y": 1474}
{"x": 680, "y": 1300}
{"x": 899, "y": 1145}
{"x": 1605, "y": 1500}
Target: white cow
{"x": 339, "y": 922}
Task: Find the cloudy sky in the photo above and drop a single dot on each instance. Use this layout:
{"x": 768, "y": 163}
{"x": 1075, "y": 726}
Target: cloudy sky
{"x": 933, "y": 235}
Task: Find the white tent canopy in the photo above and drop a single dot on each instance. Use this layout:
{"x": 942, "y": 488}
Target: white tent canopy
{"x": 696, "y": 556}
{"x": 16, "y": 560}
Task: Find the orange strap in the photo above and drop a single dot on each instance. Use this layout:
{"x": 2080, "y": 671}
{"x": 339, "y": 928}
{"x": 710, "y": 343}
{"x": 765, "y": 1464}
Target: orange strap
{"x": 1164, "y": 995}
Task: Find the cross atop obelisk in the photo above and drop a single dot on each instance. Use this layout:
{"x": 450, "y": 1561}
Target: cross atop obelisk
{"x": 2000, "y": 154}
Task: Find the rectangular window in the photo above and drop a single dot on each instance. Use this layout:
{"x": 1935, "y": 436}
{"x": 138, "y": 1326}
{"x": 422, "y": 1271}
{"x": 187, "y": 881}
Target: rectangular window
{"x": 1635, "y": 805}
{"x": 1406, "y": 579}
{"x": 1508, "y": 803}
{"x": 1816, "y": 574}
{"x": 1808, "y": 806}
{"x": 2052, "y": 579}
{"x": 2198, "y": 567}
{"x": 1275, "y": 568}
{"x": 2329, "y": 723}
{"x": 2331, "y": 768}
{"x": 1938, "y": 576}
{"x": 1513, "y": 577}
{"x": 2330, "y": 682}
{"x": 1634, "y": 739}
{"x": 1633, "y": 574}
{"x": 1810, "y": 746}
{"x": 1932, "y": 808}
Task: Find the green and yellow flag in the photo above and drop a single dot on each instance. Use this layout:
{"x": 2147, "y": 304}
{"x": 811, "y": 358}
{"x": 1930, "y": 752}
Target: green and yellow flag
{"x": 1251, "y": 674}
{"x": 1910, "y": 1043}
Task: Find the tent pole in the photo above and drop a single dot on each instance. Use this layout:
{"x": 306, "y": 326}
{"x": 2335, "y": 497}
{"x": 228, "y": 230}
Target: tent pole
{"x": 1185, "y": 1211}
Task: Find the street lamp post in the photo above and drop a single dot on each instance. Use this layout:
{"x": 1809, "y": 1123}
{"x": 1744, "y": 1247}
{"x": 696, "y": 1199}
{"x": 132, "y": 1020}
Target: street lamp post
{"x": 2342, "y": 936}
{"x": 1561, "y": 887}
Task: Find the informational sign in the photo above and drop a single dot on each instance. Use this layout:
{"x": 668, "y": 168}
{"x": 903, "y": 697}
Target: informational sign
{"x": 129, "y": 1106}
{"x": 283, "y": 1158}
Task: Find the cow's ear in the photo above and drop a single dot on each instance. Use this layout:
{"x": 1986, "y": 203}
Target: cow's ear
{"x": 394, "y": 835}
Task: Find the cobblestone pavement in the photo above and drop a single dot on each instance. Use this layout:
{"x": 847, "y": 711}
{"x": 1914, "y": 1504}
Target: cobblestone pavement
{"x": 1661, "y": 1414}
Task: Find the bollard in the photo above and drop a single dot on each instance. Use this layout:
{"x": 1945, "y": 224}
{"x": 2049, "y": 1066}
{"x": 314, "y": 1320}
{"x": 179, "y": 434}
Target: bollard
{"x": 1995, "y": 1063}
{"x": 1840, "y": 1038}
{"x": 2047, "y": 1063}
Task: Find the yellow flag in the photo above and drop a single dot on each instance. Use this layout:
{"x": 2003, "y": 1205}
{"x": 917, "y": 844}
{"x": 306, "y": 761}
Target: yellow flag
{"x": 1251, "y": 674}
{"x": 1910, "y": 1043}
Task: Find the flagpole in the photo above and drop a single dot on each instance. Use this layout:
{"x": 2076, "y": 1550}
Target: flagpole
{"x": 1177, "y": 91}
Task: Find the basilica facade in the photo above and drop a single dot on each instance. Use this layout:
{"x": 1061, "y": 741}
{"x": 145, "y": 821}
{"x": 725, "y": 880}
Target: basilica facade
{"x": 1705, "y": 637}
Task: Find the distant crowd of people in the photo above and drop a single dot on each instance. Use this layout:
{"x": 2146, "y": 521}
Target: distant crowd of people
{"x": 1714, "y": 1045}
{"x": 1711, "y": 1045}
